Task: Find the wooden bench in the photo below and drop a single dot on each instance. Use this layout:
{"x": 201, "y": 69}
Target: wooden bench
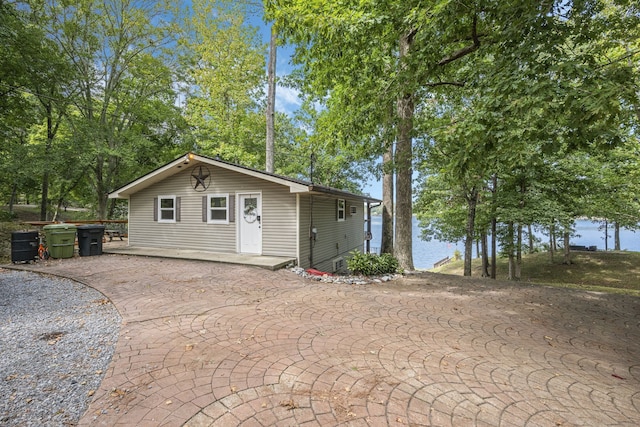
{"x": 442, "y": 262}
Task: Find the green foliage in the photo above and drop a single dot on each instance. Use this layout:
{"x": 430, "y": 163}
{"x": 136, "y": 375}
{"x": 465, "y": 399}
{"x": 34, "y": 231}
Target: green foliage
{"x": 6, "y": 216}
{"x": 549, "y": 111}
{"x": 121, "y": 88}
{"x": 371, "y": 264}
{"x": 309, "y": 148}
{"x": 223, "y": 62}
{"x": 544, "y": 95}
{"x": 497, "y": 86}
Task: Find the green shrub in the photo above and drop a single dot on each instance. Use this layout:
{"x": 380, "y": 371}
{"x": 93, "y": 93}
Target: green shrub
{"x": 6, "y": 216}
{"x": 371, "y": 264}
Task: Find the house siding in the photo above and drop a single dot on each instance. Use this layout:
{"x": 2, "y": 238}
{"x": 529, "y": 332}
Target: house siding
{"x": 335, "y": 239}
{"x": 279, "y": 221}
{"x": 304, "y": 232}
{"x": 278, "y": 215}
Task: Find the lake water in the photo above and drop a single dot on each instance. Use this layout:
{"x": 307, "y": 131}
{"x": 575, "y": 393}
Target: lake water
{"x": 425, "y": 254}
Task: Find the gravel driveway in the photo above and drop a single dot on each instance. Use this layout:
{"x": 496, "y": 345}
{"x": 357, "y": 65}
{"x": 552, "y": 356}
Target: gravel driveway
{"x": 206, "y": 344}
{"x": 56, "y": 341}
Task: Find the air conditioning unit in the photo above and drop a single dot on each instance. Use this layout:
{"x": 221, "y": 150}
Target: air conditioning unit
{"x": 338, "y": 264}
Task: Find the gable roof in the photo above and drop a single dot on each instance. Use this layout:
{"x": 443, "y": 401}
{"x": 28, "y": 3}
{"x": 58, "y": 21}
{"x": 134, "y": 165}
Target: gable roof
{"x": 177, "y": 165}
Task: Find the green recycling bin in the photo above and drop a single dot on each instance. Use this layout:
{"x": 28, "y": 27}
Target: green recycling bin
{"x": 60, "y": 239}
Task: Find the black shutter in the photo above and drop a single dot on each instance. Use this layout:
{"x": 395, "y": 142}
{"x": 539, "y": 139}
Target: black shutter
{"x": 155, "y": 209}
{"x": 204, "y": 208}
{"x": 232, "y": 208}
{"x": 178, "y": 209}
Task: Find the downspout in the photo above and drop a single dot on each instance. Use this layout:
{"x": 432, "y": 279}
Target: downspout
{"x": 368, "y": 241}
{"x": 311, "y": 235}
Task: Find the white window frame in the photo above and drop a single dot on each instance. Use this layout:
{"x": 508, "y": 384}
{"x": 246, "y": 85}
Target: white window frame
{"x": 341, "y": 209}
{"x": 209, "y": 209}
{"x": 173, "y": 209}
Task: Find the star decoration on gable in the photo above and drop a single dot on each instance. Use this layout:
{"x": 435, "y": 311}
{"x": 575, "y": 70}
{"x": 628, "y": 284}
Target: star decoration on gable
{"x": 200, "y": 178}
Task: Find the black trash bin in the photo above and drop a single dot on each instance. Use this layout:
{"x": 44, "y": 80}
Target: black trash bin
{"x": 90, "y": 239}
{"x": 24, "y": 246}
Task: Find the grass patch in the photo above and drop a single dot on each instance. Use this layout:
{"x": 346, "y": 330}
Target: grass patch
{"x": 612, "y": 271}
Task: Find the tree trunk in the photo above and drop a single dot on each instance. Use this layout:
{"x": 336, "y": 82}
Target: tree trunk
{"x": 509, "y": 248}
{"x": 100, "y": 188}
{"x": 485, "y": 255}
{"x": 531, "y": 242}
{"x": 567, "y": 251}
{"x": 472, "y": 201}
{"x": 616, "y": 237}
{"x": 606, "y": 235}
{"x": 57, "y": 208}
{"x": 403, "y": 248}
{"x": 494, "y": 225}
{"x": 14, "y": 196}
{"x": 386, "y": 242}
{"x": 46, "y": 175}
{"x": 271, "y": 99}
{"x": 112, "y": 208}
{"x": 518, "y": 271}
{"x": 518, "y": 248}
{"x": 551, "y": 239}
{"x": 44, "y": 194}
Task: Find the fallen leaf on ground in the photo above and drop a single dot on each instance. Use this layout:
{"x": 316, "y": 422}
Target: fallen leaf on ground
{"x": 289, "y": 404}
{"x": 116, "y": 392}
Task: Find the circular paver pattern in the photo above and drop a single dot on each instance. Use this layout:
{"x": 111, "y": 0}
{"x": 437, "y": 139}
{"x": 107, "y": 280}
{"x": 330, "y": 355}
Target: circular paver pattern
{"x": 205, "y": 344}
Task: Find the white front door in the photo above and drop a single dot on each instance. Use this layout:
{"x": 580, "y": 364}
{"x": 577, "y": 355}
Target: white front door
{"x": 250, "y": 220}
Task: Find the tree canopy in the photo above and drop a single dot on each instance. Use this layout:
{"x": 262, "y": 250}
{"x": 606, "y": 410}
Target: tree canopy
{"x": 477, "y": 88}
{"x": 492, "y": 116}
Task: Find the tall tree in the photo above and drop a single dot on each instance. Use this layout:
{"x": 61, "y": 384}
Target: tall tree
{"x": 386, "y": 239}
{"x": 362, "y": 57}
{"x": 17, "y": 111}
{"x": 41, "y": 76}
{"x": 403, "y": 157}
{"x": 271, "y": 101}
{"x": 225, "y": 82}
{"x": 119, "y": 49}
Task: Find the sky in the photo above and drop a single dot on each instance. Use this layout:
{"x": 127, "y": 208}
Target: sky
{"x": 287, "y": 100}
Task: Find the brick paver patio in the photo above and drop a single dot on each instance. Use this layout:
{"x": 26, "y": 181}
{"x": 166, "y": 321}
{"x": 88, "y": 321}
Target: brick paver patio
{"x": 209, "y": 344}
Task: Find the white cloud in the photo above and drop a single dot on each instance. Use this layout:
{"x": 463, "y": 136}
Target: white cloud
{"x": 287, "y": 99}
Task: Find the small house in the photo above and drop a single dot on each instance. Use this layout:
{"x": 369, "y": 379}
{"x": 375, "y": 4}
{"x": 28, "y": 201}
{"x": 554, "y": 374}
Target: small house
{"x": 206, "y": 204}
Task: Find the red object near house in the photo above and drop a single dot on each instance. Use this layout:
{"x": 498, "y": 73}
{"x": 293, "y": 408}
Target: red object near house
{"x": 315, "y": 272}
